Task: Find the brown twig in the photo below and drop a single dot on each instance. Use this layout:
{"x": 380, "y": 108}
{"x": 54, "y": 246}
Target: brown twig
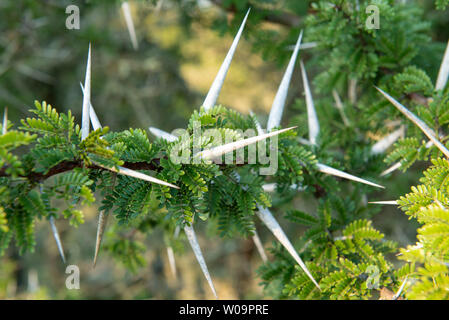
{"x": 65, "y": 166}
{"x": 68, "y": 165}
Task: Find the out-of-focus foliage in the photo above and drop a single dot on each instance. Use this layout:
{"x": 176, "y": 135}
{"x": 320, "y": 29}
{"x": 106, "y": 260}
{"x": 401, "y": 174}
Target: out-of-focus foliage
{"x": 349, "y": 255}
{"x": 42, "y": 59}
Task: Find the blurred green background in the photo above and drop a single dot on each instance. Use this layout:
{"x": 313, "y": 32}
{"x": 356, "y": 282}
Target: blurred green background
{"x": 181, "y": 46}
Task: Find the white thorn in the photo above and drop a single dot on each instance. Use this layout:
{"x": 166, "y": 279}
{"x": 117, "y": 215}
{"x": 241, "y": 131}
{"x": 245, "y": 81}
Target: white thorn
{"x": 340, "y": 107}
{"x": 314, "y": 126}
{"x": 267, "y": 218}
{"x": 191, "y": 236}
{"x": 389, "y": 202}
{"x": 398, "y": 294}
{"x": 394, "y": 167}
{"x": 171, "y": 261}
{"x": 443, "y": 74}
{"x": 102, "y": 219}
{"x": 259, "y": 247}
{"x": 337, "y": 99}
{"x": 214, "y": 90}
{"x": 257, "y": 123}
{"x": 138, "y": 175}
{"x": 94, "y": 119}
{"x": 352, "y": 91}
{"x": 5, "y": 121}
{"x": 86, "y": 99}
{"x": 271, "y": 187}
{"x": 176, "y": 233}
{"x": 229, "y": 147}
{"x": 57, "y": 238}
{"x": 338, "y": 173}
{"x": 277, "y": 108}
{"x": 304, "y": 46}
{"x": 417, "y": 121}
{"x": 163, "y": 134}
{"x": 93, "y": 115}
{"x": 130, "y": 24}
{"x": 383, "y": 144}
{"x": 304, "y": 141}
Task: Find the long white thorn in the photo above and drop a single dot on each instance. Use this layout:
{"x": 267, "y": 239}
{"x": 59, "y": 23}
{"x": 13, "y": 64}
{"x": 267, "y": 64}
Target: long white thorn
{"x": 171, "y": 255}
{"x": 383, "y": 144}
{"x": 271, "y": 187}
{"x": 398, "y": 294}
{"x": 229, "y": 147}
{"x": 93, "y": 115}
{"x": 277, "y": 108}
{"x": 214, "y": 90}
{"x": 176, "y": 233}
{"x": 443, "y": 74}
{"x": 338, "y": 173}
{"x": 256, "y": 122}
{"x": 388, "y": 202}
{"x": 57, "y": 238}
{"x": 352, "y": 91}
{"x": 163, "y": 134}
{"x": 138, "y": 175}
{"x": 130, "y": 24}
{"x": 304, "y": 46}
{"x": 394, "y": 167}
{"x": 101, "y": 226}
{"x": 191, "y": 236}
{"x": 417, "y": 121}
{"x": 86, "y": 99}
{"x": 5, "y": 121}
{"x": 314, "y": 125}
{"x": 172, "y": 261}
{"x": 303, "y": 141}
{"x": 267, "y": 218}
{"x": 259, "y": 247}
{"x": 340, "y": 107}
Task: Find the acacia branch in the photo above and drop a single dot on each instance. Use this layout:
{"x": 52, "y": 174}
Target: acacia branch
{"x": 68, "y": 165}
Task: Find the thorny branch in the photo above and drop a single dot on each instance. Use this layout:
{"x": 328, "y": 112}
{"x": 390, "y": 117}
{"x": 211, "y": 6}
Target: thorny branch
{"x": 68, "y": 165}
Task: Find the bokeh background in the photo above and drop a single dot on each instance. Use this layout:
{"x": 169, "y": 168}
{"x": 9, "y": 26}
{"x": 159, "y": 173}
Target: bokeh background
{"x": 181, "y": 46}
